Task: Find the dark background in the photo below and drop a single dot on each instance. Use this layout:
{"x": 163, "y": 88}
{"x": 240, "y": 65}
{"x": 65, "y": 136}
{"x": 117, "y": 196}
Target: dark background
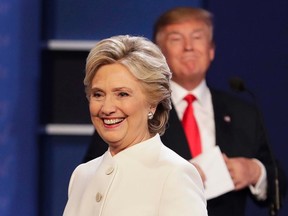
{"x": 251, "y": 43}
{"x": 40, "y": 86}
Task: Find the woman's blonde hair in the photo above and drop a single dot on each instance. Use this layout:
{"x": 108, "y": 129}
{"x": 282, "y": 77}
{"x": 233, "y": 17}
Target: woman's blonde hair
{"x": 146, "y": 62}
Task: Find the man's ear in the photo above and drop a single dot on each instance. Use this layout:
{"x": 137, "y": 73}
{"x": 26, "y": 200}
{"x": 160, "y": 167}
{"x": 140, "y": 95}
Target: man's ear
{"x": 212, "y": 51}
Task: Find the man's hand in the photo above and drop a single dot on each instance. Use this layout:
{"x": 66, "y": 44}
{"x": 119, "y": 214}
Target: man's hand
{"x": 243, "y": 171}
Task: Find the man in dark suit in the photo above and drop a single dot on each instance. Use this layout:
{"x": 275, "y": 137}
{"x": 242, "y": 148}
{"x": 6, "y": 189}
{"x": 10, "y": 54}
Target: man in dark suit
{"x": 185, "y": 36}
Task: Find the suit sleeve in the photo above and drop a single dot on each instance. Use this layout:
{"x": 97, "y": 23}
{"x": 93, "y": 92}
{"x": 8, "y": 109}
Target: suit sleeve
{"x": 266, "y": 156}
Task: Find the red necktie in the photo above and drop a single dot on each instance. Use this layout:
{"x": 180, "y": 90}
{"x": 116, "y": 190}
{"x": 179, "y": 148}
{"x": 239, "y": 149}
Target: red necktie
{"x": 191, "y": 128}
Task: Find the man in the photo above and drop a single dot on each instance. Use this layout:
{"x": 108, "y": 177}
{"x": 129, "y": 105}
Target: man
{"x": 185, "y": 36}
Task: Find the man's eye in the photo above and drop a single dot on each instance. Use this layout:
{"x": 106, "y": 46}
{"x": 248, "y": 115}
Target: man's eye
{"x": 197, "y": 36}
{"x": 175, "y": 39}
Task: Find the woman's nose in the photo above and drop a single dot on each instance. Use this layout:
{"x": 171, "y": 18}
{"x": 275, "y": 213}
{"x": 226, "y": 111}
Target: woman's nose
{"x": 108, "y": 106}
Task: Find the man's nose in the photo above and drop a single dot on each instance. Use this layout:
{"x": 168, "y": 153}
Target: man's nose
{"x": 188, "y": 44}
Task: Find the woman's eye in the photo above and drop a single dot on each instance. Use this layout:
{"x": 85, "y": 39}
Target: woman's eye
{"x": 96, "y": 95}
{"x": 123, "y": 94}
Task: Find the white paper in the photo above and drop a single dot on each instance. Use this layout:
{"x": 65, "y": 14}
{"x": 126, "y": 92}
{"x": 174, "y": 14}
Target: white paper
{"x": 218, "y": 180}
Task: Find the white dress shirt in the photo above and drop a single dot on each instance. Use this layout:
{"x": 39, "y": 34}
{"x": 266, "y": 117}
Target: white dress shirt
{"x": 204, "y": 114}
{"x": 203, "y": 111}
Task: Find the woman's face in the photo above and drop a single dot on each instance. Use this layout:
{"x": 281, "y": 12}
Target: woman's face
{"x": 118, "y": 107}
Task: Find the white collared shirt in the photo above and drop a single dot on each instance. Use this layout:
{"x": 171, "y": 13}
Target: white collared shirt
{"x": 203, "y": 111}
{"x": 204, "y": 114}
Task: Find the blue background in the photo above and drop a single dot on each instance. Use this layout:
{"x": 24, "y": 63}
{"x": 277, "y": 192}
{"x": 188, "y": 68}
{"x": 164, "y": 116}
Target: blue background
{"x": 251, "y": 42}
{"x": 19, "y": 73}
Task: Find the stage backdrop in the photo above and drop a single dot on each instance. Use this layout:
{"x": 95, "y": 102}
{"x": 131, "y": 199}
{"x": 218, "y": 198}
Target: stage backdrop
{"x": 251, "y": 42}
{"x": 19, "y": 36}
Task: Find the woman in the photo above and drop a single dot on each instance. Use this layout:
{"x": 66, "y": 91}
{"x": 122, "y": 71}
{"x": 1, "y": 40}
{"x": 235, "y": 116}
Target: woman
{"x": 127, "y": 85}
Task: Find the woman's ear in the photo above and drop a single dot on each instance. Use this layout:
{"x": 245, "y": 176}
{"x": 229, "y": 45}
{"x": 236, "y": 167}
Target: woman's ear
{"x": 153, "y": 108}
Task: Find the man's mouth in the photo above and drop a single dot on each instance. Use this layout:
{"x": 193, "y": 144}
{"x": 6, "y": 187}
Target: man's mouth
{"x": 189, "y": 58}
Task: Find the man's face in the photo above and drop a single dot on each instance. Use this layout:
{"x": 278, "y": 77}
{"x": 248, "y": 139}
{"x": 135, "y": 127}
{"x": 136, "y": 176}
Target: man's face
{"x": 189, "y": 51}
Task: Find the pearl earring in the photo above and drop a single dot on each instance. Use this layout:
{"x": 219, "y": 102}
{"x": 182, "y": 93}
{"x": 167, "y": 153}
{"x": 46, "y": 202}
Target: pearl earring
{"x": 150, "y": 115}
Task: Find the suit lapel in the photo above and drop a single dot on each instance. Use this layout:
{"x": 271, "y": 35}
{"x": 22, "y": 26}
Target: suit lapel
{"x": 223, "y": 121}
{"x": 174, "y": 136}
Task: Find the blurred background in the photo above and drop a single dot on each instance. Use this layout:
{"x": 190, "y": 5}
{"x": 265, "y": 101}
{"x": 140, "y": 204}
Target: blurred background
{"x": 44, "y": 120}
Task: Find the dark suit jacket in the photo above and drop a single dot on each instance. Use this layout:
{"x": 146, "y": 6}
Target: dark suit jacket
{"x": 243, "y": 136}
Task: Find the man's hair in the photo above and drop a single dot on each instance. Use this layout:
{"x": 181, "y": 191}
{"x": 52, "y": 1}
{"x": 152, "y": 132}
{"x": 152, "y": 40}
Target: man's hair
{"x": 182, "y": 14}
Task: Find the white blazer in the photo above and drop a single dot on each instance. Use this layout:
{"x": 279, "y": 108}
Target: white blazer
{"x": 146, "y": 179}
